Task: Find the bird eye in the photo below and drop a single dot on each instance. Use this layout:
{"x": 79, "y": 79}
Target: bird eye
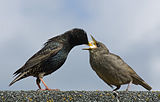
{"x": 98, "y": 45}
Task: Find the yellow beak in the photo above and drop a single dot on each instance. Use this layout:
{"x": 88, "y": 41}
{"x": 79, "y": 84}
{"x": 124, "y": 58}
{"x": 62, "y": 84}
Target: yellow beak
{"x": 91, "y": 44}
{"x": 93, "y": 39}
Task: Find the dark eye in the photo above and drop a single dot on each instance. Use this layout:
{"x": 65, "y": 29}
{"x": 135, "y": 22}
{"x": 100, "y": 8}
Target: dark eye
{"x": 98, "y": 45}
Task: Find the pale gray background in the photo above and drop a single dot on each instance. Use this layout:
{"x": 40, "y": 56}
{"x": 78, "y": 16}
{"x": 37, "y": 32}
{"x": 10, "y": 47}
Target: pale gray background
{"x": 129, "y": 28}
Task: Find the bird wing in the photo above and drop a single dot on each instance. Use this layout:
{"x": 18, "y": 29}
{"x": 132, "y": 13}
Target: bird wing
{"x": 117, "y": 62}
{"x": 118, "y": 72}
{"x": 42, "y": 55}
{"x": 120, "y": 62}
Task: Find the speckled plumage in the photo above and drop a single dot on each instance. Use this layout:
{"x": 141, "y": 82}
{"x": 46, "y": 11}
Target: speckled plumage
{"x": 112, "y": 69}
{"x": 52, "y": 56}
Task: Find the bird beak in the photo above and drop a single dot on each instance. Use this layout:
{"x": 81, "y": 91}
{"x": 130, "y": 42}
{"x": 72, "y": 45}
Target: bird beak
{"x": 93, "y": 39}
{"x": 91, "y": 44}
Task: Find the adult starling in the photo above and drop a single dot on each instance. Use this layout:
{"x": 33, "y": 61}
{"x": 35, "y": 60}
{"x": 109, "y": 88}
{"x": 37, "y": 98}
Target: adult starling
{"x": 111, "y": 68}
{"x": 51, "y": 57}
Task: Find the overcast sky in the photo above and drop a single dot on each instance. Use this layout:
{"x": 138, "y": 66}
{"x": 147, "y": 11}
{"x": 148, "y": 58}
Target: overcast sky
{"x": 129, "y": 28}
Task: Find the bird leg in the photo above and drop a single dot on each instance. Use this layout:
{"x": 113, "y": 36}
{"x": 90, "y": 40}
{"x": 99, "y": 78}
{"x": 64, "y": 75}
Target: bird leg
{"x": 117, "y": 87}
{"x": 38, "y": 83}
{"x": 115, "y": 93}
{"x": 129, "y": 85}
{"x": 44, "y": 85}
{"x": 47, "y": 86}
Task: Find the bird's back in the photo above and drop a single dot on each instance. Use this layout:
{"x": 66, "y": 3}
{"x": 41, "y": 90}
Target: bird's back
{"x": 127, "y": 72}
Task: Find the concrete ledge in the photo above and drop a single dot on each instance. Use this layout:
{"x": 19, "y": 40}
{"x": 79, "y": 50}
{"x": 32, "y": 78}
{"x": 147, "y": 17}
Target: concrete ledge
{"x": 79, "y": 96}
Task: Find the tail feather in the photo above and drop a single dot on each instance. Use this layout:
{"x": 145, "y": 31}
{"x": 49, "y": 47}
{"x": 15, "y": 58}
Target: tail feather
{"x": 18, "y": 71}
{"x": 138, "y": 80}
{"x": 145, "y": 85}
{"x": 20, "y": 76}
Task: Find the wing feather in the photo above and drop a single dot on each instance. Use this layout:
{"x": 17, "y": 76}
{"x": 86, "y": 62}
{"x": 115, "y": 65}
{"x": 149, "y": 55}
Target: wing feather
{"x": 40, "y": 56}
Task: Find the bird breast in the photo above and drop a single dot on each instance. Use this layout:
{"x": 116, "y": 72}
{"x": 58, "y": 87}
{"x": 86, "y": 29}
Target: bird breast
{"x": 95, "y": 60}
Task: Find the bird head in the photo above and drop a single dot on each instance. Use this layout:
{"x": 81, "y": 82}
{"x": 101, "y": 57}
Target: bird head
{"x": 78, "y": 37}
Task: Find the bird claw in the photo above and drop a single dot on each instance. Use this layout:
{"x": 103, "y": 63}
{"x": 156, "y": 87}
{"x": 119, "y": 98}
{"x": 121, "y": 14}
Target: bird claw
{"x": 115, "y": 93}
{"x": 126, "y": 90}
{"x": 53, "y": 89}
{"x": 49, "y": 89}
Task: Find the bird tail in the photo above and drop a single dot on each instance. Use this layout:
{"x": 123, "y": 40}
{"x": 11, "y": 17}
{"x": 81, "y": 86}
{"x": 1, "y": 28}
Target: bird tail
{"x": 20, "y": 76}
{"x": 145, "y": 85}
{"x": 138, "y": 80}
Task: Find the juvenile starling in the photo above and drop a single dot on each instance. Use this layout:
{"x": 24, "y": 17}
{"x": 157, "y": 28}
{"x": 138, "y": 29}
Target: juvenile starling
{"x": 111, "y": 68}
{"x": 51, "y": 57}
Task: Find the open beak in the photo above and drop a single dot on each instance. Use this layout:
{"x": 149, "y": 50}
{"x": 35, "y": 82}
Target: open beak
{"x": 94, "y": 41}
{"x": 91, "y": 44}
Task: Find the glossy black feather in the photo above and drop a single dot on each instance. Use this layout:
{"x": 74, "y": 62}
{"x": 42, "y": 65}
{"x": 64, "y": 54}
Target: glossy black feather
{"x": 52, "y": 56}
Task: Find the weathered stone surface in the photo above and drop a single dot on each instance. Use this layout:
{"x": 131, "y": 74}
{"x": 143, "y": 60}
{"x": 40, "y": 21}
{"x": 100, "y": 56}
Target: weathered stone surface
{"x": 79, "y": 96}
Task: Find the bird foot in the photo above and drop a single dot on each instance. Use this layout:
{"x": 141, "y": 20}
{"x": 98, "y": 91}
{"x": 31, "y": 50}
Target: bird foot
{"x": 115, "y": 93}
{"x": 126, "y": 90}
{"x": 49, "y": 89}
